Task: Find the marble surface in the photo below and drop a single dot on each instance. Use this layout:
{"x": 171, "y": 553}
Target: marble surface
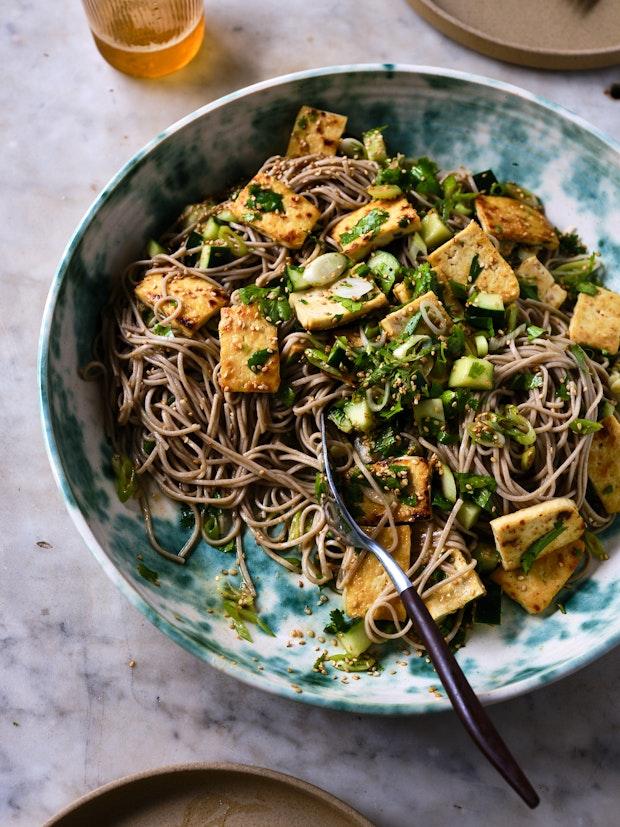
{"x": 75, "y": 714}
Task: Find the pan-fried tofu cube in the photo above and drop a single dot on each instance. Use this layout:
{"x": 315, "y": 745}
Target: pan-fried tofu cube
{"x": 375, "y": 225}
{"x": 515, "y": 533}
{"x": 275, "y": 210}
{"x": 320, "y": 309}
{"x": 249, "y": 358}
{"x": 596, "y": 321}
{"x": 534, "y": 272}
{"x": 451, "y": 597}
{"x": 199, "y": 299}
{"x": 315, "y": 132}
{"x": 548, "y": 575}
{"x": 510, "y": 220}
{"x": 406, "y": 480}
{"x": 394, "y": 323}
{"x": 453, "y": 262}
{"x": 403, "y": 292}
{"x": 370, "y": 578}
{"x": 604, "y": 464}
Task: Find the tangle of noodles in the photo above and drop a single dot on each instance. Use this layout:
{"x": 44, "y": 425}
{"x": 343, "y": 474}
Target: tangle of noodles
{"x": 256, "y": 460}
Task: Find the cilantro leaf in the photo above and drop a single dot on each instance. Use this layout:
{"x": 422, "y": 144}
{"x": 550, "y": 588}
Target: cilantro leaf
{"x": 369, "y": 223}
{"x": 338, "y": 623}
{"x": 259, "y": 359}
{"x": 534, "y": 332}
{"x": 475, "y": 268}
{"x": 272, "y": 302}
{"x": 264, "y": 200}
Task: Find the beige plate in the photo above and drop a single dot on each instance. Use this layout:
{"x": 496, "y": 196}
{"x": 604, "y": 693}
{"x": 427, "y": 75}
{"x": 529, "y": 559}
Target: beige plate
{"x": 208, "y": 795}
{"x": 550, "y": 34}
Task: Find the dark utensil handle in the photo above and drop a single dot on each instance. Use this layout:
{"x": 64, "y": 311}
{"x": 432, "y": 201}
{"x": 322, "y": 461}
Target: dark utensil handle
{"x": 464, "y": 700}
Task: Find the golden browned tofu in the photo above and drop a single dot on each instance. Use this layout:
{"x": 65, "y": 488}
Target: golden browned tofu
{"x": 514, "y": 533}
{"x": 315, "y": 132}
{"x": 451, "y": 597}
{"x": 453, "y": 262}
{"x": 370, "y": 578}
{"x": 319, "y": 308}
{"x": 548, "y": 575}
{"x": 604, "y": 464}
{"x": 199, "y": 299}
{"x": 403, "y": 292}
{"x": 375, "y": 225}
{"x": 249, "y": 358}
{"x": 275, "y": 210}
{"x": 596, "y": 321}
{"x": 394, "y": 323}
{"x": 406, "y": 480}
{"x": 534, "y": 272}
{"x": 510, "y": 220}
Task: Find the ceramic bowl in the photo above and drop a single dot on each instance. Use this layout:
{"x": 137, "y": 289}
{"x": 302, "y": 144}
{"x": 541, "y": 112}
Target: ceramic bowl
{"x": 453, "y": 117}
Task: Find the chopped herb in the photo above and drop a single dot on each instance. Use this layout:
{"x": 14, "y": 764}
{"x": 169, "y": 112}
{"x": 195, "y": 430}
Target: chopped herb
{"x": 320, "y": 486}
{"x": 348, "y": 304}
{"x": 562, "y": 390}
{"x": 148, "y": 574}
{"x": 570, "y": 245}
{"x": 561, "y": 607}
{"x": 580, "y": 357}
{"x": 587, "y": 287}
{"x": 163, "y": 330}
{"x": 369, "y": 223}
{"x": 456, "y": 341}
{"x": 584, "y": 426}
{"x": 409, "y": 499}
{"x": 272, "y": 302}
{"x": 479, "y": 488}
{"x": 264, "y": 200}
{"x": 338, "y": 623}
{"x": 259, "y": 359}
{"x": 286, "y": 395}
{"x": 526, "y": 381}
{"x": 534, "y": 332}
{"x": 421, "y": 280}
{"x": 474, "y": 268}
{"x": 529, "y": 556}
{"x": 186, "y": 517}
{"x": 148, "y": 445}
{"x": 387, "y": 443}
{"x": 346, "y": 663}
{"x": 239, "y": 606}
{"x": 527, "y": 290}
{"x": 302, "y": 123}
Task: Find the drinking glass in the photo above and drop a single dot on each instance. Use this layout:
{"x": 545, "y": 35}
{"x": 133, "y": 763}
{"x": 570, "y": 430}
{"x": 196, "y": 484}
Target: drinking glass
{"x": 146, "y": 38}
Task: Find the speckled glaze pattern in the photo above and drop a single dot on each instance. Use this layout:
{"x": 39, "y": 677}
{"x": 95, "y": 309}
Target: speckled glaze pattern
{"x": 453, "y": 117}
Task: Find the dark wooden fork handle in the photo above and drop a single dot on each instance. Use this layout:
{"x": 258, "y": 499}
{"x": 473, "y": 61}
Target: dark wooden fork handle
{"x": 464, "y": 700}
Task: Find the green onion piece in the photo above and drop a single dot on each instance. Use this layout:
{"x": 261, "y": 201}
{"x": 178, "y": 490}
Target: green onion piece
{"x": 211, "y": 527}
{"x": 534, "y": 332}
{"x": 225, "y": 215}
{"x": 352, "y": 148}
{"x": 346, "y": 663}
{"x": 529, "y": 556}
{"x": 295, "y": 528}
{"x": 235, "y": 243}
{"x": 584, "y": 426}
{"x": 232, "y": 610}
{"x": 319, "y": 360}
{"x": 594, "y": 546}
{"x": 126, "y": 477}
{"x": 384, "y": 192}
{"x": 482, "y": 345}
{"x": 211, "y": 230}
{"x": 527, "y": 458}
{"x": 517, "y": 427}
{"x": 580, "y": 357}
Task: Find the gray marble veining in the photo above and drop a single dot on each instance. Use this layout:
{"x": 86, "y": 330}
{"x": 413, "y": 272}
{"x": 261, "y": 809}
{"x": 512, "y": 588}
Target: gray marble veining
{"x": 74, "y": 713}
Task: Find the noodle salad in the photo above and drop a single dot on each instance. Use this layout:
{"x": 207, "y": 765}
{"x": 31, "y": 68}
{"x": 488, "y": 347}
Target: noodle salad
{"x": 461, "y": 347}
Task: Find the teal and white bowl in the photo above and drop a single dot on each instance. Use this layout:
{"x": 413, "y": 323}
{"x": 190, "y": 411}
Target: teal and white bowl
{"x": 453, "y": 117}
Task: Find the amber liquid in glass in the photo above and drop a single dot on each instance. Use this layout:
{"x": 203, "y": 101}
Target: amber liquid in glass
{"x": 149, "y": 40}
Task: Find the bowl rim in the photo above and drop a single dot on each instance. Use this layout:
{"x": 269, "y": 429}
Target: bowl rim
{"x": 417, "y": 705}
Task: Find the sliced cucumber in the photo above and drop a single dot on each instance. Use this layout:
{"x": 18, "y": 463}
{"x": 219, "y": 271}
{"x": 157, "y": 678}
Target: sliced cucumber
{"x": 489, "y": 302}
{"x": 374, "y": 145}
{"x": 154, "y": 248}
{"x": 384, "y": 264}
{"x": 448, "y": 483}
{"x": 433, "y": 231}
{"x": 211, "y": 230}
{"x": 355, "y": 640}
{"x": 429, "y": 409}
{"x": 359, "y": 415}
{"x": 487, "y": 558}
{"x": 468, "y": 514}
{"x": 213, "y": 254}
{"x": 470, "y": 372}
{"x": 482, "y": 345}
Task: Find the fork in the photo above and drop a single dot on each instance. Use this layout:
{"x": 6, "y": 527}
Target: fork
{"x": 462, "y": 697}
